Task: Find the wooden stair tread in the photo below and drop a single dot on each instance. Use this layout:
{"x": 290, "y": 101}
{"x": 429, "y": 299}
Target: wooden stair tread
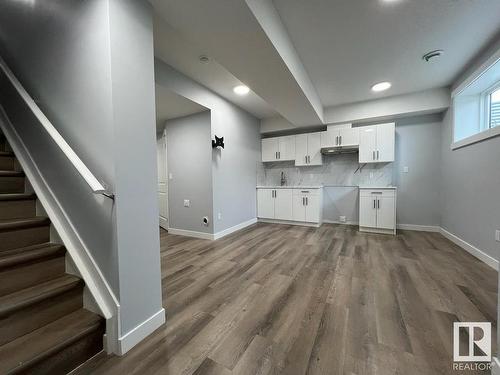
{"x": 10, "y": 224}
{"x": 17, "y": 196}
{"x": 11, "y": 174}
{"x": 25, "y": 297}
{"x": 9, "y": 258}
{"x": 27, "y": 350}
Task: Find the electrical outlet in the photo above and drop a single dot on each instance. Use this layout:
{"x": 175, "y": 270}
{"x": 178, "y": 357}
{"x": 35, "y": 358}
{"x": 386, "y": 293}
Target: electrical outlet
{"x": 371, "y": 175}
{"x": 342, "y": 219}
{"x": 187, "y": 203}
{"x": 170, "y": 176}
{"x": 405, "y": 169}
{"x": 497, "y": 235}
{"x": 219, "y": 216}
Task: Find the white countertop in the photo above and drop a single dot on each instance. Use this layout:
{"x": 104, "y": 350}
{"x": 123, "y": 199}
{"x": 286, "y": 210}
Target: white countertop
{"x": 378, "y": 187}
{"x": 290, "y": 187}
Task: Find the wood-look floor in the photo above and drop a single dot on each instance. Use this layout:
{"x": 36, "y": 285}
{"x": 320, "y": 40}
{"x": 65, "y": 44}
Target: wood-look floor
{"x": 295, "y": 300}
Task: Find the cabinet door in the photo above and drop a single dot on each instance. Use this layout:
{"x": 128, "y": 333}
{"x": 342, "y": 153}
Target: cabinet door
{"x": 299, "y": 208}
{"x": 286, "y": 148}
{"x": 269, "y": 149}
{"x": 386, "y": 135}
{"x": 349, "y": 137}
{"x": 386, "y": 213}
{"x": 328, "y": 138}
{"x": 314, "y": 149}
{"x": 312, "y": 208}
{"x": 265, "y": 203}
{"x": 367, "y": 144}
{"x": 283, "y": 204}
{"x": 300, "y": 149}
{"x": 367, "y": 211}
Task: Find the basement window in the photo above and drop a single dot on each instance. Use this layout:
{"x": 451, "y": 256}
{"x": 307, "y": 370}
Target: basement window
{"x": 476, "y": 106}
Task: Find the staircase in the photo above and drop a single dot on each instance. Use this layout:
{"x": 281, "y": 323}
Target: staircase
{"x": 44, "y": 328}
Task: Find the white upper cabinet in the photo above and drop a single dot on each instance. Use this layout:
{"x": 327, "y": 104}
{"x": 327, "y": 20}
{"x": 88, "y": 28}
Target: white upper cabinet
{"x": 349, "y": 137}
{"x": 270, "y": 149}
{"x": 340, "y": 135}
{"x": 308, "y": 149}
{"x": 377, "y": 143}
{"x": 278, "y": 149}
{"x": 286, "y": 147}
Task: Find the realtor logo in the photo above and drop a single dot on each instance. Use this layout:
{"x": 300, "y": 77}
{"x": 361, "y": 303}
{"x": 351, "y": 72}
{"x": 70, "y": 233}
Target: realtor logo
{"x": 471, "y": 342}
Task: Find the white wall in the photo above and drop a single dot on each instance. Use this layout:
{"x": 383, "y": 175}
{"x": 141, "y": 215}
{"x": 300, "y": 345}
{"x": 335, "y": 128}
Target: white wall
{"x": 190, "y": 164}
{"x": 234, "y": 169}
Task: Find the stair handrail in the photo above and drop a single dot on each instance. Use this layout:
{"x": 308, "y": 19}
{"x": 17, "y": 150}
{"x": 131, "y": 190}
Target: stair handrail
{"x": 96, "y": 186}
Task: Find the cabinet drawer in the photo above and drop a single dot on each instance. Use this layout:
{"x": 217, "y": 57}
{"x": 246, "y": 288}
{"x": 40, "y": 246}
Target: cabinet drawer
{"x": 377, "y": 192}
{"x": 305, "y": 192}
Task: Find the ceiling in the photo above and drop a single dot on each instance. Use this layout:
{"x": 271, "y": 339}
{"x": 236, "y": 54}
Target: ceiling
{"x": 302, "y": 57}
{"x": 353, "y": 44}
{"x": 184, "y": 56}
{"x": 170, "y": 105}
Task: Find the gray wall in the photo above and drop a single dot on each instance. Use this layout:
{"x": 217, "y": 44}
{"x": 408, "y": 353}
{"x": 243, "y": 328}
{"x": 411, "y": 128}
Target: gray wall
{"x": 418, "y": 147}
{"x": 234, "y": 169}
{"x": 470, "y": 204}
{"x": 70, "y": 54}
{"x": 235, "y": 166}
{"x": 190, "y": 163}
{"x": 134, "y": 155}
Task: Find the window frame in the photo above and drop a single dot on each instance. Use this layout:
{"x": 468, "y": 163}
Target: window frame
{"x": 486, "y": 107}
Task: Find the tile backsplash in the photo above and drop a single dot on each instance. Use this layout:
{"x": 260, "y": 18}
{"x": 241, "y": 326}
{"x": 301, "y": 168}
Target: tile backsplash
{"x": 337, "y": 170}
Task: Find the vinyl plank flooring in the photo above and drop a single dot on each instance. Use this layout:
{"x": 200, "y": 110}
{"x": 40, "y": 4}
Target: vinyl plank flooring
{"x": 281, "y": 299}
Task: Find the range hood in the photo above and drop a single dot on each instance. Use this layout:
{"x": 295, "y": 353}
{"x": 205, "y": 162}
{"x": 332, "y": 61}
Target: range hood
{"x": 336, "y": 150}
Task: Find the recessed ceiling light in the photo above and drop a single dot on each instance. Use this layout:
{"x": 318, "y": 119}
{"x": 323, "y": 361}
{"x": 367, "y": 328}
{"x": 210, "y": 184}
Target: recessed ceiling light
{"x": 381, "y": 86}
{"x": 241, "y": 90}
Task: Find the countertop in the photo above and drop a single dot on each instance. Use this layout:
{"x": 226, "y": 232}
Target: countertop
{"x": 290, "y": 187}
{"x": 378, "y": 187}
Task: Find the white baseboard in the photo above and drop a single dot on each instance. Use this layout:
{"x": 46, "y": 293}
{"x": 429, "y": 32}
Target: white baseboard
{"x": 340, "y": 222}
{"x": 190, "y": 233}
{"x": 233, "y": 229}
{"x": 299, "y": 223}
{"x": 495, "y": 366}
{"x": 139, "y": 333}
{"x": 420, "y": 228}
{"x": 492, "y": 262}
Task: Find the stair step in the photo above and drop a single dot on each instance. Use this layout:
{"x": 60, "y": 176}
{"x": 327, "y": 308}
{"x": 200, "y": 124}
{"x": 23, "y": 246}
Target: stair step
{"x": 15, "y": 233}
{"x": 57, "y": 347}
{"x": 7, "y": 160}
{"x": 25, "y": 267}
{"x": 11, "y": 181}
{"x": 16, "y": 206}
{"x": 31, "y": 308}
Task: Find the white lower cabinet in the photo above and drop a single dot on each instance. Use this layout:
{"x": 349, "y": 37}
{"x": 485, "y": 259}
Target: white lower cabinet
{"x": 293, "y": 204}
{"x": 377, "y": 210}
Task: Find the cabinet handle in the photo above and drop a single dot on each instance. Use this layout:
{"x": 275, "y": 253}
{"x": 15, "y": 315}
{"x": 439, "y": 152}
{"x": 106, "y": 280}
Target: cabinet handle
{"x": 377, "y": 154}
{"x": 279, "y": 154}
{"x": 336, "y": 140}
{"x": 373, "y": 154}
{"x": 303, "y": 201}
{"x": 307, "y": 201}
{"x": 340, "y": 140}
{"x": 378, "y": 204}
{"x": 375, "y": 203}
